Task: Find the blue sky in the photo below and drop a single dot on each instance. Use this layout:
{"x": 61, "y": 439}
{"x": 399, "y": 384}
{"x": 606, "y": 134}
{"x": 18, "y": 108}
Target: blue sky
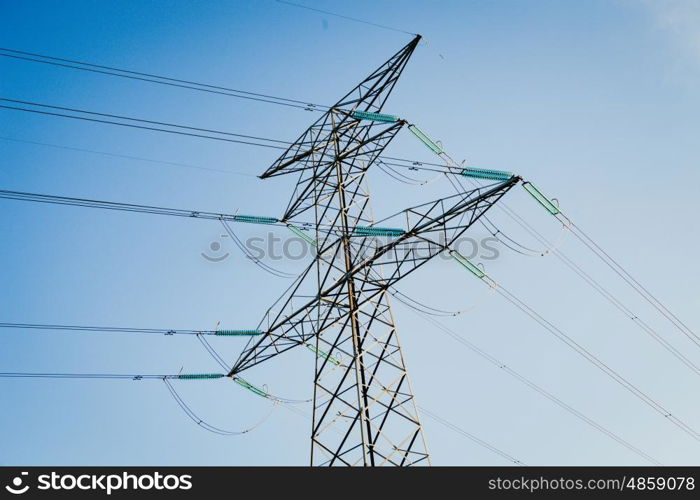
{"x": 596, "y": 102}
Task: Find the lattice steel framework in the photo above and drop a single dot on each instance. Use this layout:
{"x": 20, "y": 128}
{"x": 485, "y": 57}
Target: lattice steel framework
{"x": 364, "y": 411}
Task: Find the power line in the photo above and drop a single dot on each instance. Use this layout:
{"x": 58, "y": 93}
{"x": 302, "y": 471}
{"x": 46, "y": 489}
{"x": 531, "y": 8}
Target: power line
{"x": 614, "y": 265}
{"x": 617, "y": 268}
{"x": 249, "y": 255}
{"x": 530, "y": 384}
{"x": 627, "y": 312}
{"x": 156, "y": 210}
{"x": 151, "y": 209}
{"x": 136, "y": 126}
{"x": 354, "y": 19}
{"x": 403, "y": 163}
{"x": 205, "y": 425}
{"x": 469, "y": 435}
{"x": 631, "y": 281}
{"x": 165, "y": 378}
{"x": 609, "y": 296}
{"x": 598, "y": 363}
{"x": 106, "y": 329}
{"x": 86, "y": 376}
{"x": 148, "y": 209}
{"x": 165, "y": 211}
{"x": 158, "y": 79}
{"x": 127, "y": 157}
{"x": 581, "y": 350}
{"x": 188, "y": 411}
{"x": 604, "y": 292}
{"x": 407, "y": 164}
{"x": 108, "y": 205}
{"x": 139, "y": 120}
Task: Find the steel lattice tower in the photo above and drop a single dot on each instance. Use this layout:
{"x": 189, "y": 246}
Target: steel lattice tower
{"x": 364, "y": 412}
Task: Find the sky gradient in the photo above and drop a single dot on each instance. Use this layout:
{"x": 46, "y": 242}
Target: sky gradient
{"x": 596, "y": 102}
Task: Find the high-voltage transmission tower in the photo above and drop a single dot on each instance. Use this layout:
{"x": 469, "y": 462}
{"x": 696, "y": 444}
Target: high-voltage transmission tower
{"x": 364, "y": 411}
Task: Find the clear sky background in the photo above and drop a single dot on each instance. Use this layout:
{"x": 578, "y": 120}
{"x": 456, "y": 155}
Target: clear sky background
{"x": 597, "y": 102}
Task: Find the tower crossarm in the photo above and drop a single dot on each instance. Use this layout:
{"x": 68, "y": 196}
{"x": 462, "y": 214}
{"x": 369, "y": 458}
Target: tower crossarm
{"x": 368, "y": 96}
{"x": 430, "y": 228}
